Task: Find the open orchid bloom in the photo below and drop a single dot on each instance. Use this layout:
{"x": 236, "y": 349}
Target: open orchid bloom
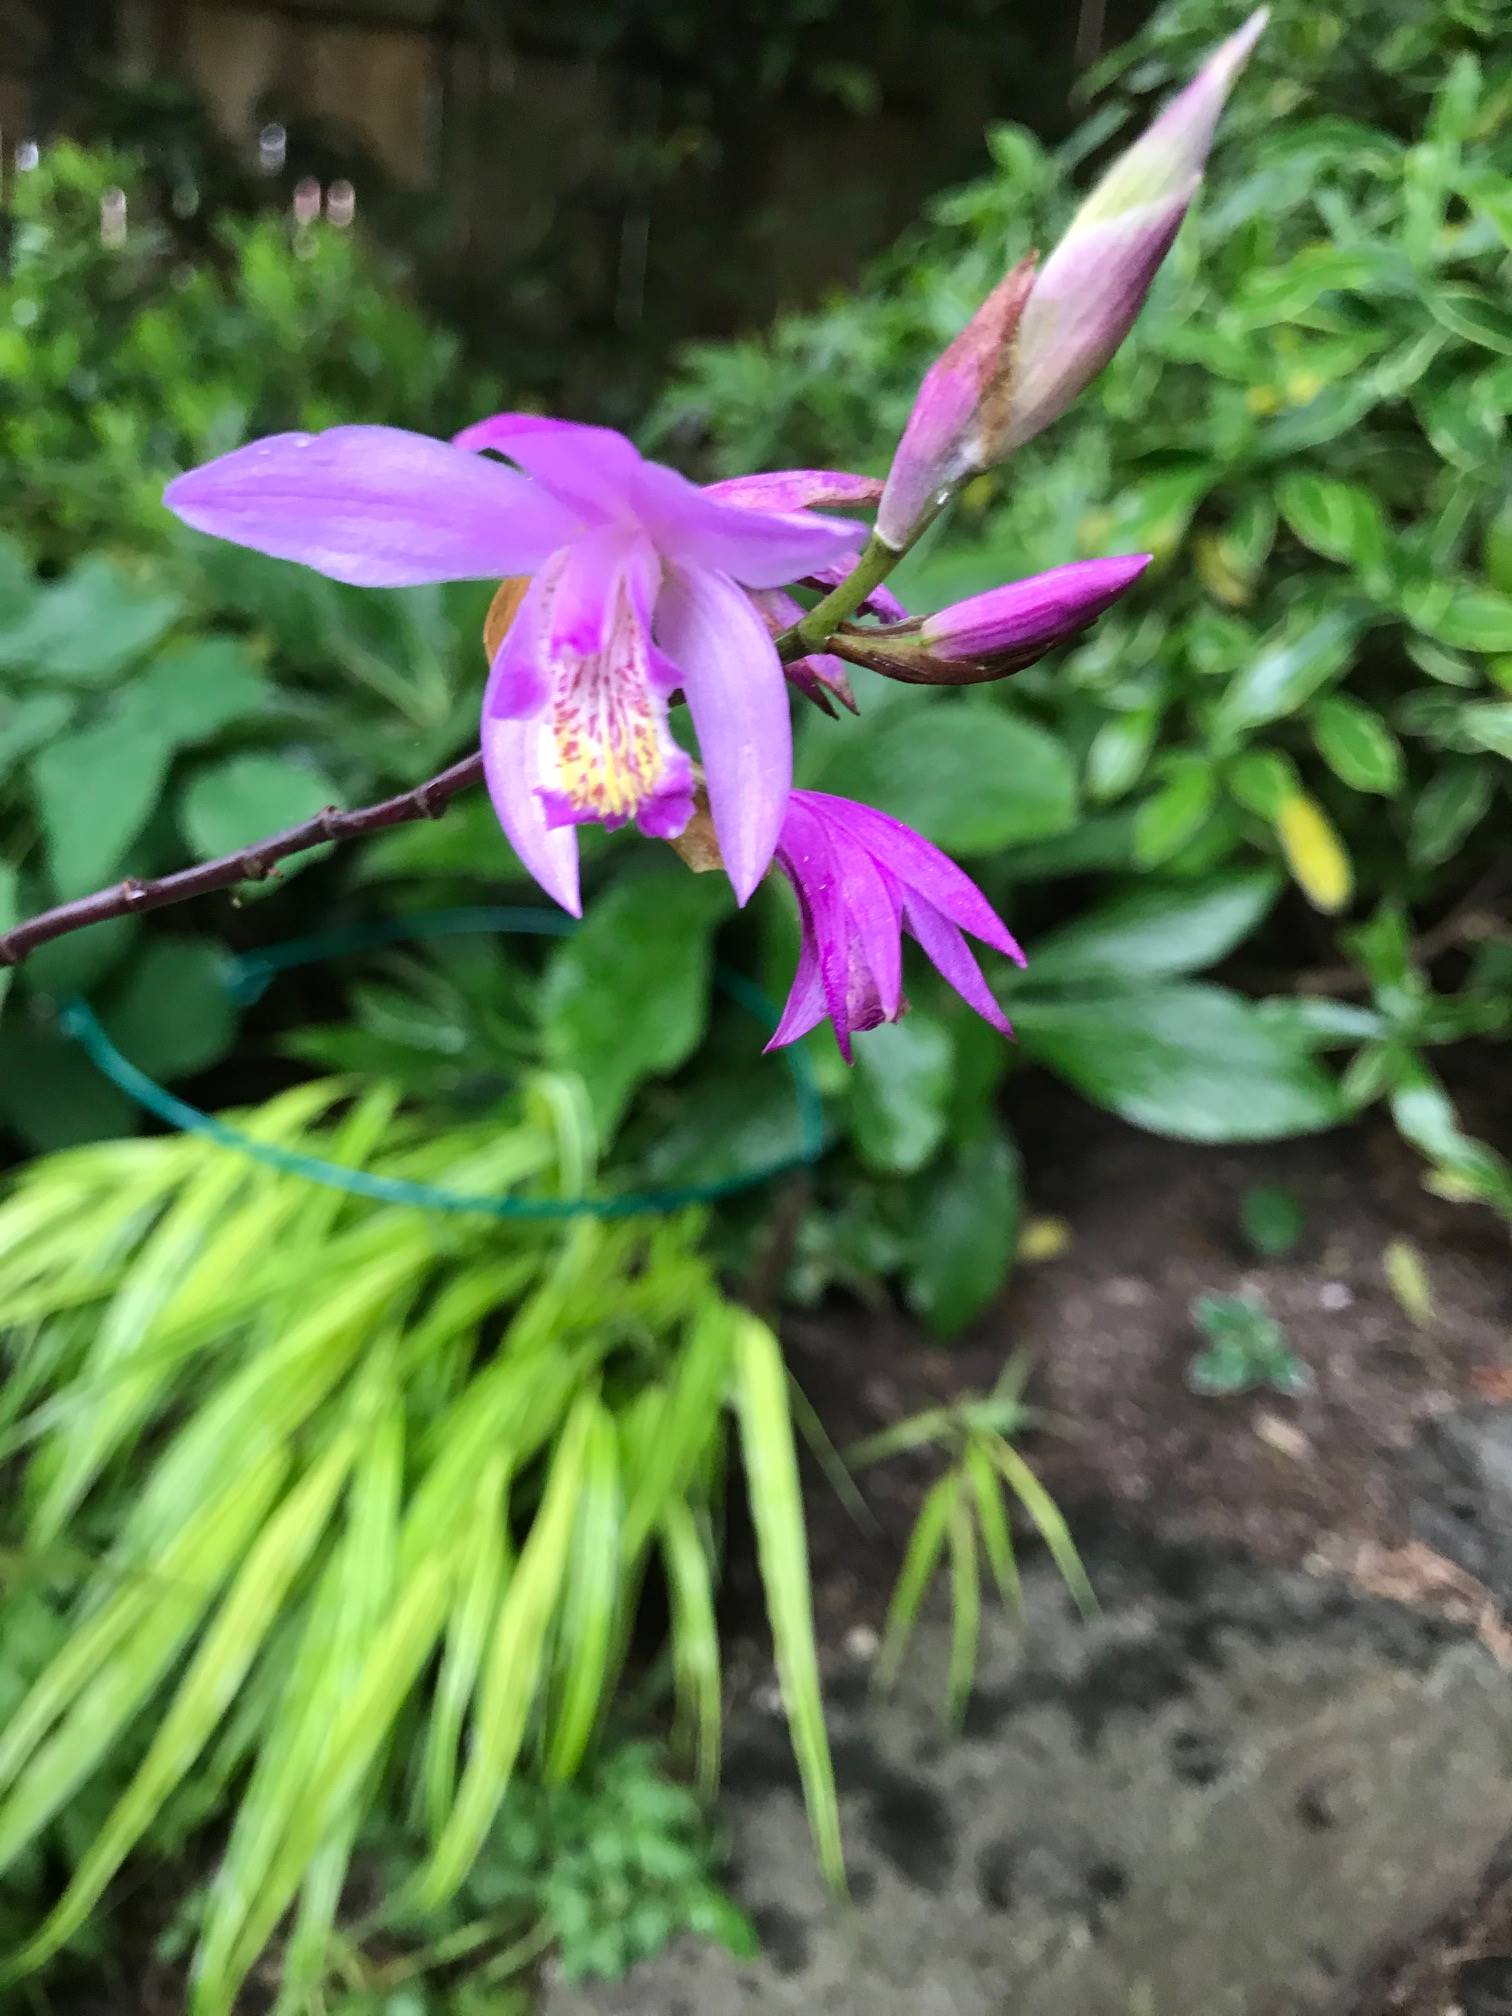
{"x": 640, "y": 586}
{"x": 862, "y": 880}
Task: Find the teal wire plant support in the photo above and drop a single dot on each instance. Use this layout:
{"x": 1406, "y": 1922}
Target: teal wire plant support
{"x": 248, "y": 978}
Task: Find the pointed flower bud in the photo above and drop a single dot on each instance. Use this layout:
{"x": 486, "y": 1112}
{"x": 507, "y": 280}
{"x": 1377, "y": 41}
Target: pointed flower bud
{"x": 959, "y": 420}
{"x": 1094, "y": 284}
{"x": 992, "y": 635}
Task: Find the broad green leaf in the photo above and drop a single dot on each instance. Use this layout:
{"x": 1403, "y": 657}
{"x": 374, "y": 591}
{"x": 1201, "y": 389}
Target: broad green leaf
{"x": 1357, "y": 745}
{"x": 900, "y": 1093}
{"x": 7, "y": 919}
{"x": 967, "y": 1212}
{"x": 230, "y": 805}
{"x": 50, "y": 1092}
{"x": 1474, "y": 314}
{"x": 964, "y": 772}
{"x": 1176, "y": 812}
{"x": 1315, "y": 854}
{"x": 191, "y": 691}
{"x": 1339, "y": 520}
{"x": 96, "y": 788}
{"x": 626, "y": 998}
{"x": 1288, "y": 672}
{"x": 1194, "y": 1062}
{"x": 1152, "y": 931}
{"x": 28, "y": 722}
{"x": 88, "y": 626}
{"x": 1464, "y": 617}
{"x": 776, "y": 1501}
{"x": 170, "y": 1013}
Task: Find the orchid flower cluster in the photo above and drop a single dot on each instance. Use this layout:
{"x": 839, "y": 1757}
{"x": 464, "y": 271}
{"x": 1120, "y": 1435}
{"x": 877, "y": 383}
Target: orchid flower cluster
{"x": 625, "y": 586}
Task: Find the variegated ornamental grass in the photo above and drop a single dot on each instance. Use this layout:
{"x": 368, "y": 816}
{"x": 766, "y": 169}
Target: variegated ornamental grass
{"x": 393, "y": 1485}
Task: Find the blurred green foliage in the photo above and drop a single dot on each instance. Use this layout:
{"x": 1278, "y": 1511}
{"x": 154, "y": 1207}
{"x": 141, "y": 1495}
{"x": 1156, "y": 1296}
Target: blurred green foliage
{"x": 1302, "y": 716}
{"x": 163, "y": 697}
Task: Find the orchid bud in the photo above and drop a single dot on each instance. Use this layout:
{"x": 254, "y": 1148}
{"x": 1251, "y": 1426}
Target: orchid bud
{"x": 958, "y": 426}
{"x": 993, "y": 635}
{"x": 1094, "y": 284}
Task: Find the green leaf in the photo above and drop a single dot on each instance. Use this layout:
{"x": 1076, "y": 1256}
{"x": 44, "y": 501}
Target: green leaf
{"x": 52, "y": 1095}
{"x": 626, "y": 998}
{"x": 1197, "y": 1063}
{"x": 1339, "y": 520}
{"x": 88, "y": 627}
{"x": 919, "y": 1561}
{"x": 965, "y": 1610}
{"x": 170, "y": 1013}
{"x": 1474, "y": 314}
{"x": 7, "y": 919}
{"x": 96, "y": 788}
{"x": 1271, "y": 1218}
{"x": 1262, "y": 780}
{"x": 194, "y": 690}
{"x": 1150, "y": 931}
{"x": 900, "y": 1095}
{"x": 1488, "y": 724}
{"x": 27, "y": 723}
{"x": 1119, "y": 753}
{"x": 965, "y": 773}
{"x": 966, "y": 1211}
{"x": 1451, "y": 804}
{"x": 1357, "y": 745}
{"x": 776, "y": 1501}
{"x": 1288, "y": 672}
{"x": 1050, "y": 1520}
{"x": 1467, "y": 618}
{"x": 1176, "y": 812}
{"x": 230, "y": 805}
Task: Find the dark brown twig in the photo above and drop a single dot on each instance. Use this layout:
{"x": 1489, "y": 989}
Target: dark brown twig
{"x": 249, "y": 864}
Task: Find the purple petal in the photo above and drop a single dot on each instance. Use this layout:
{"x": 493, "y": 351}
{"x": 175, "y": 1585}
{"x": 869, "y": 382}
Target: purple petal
{"x": 919, "y": 865}
{"x": 811, "y": 861}
{"x": 1034, "y": 614}
{"x": 738, "y": 698}
{"x": 375, "y": 506}
{"x": 760, "y": 549}
{"x": 806, "y": 1007}
{"x": 949, "y": 954}
{"x": 593, "y": 470}
{"x": 519, "y": 762}
{"x": 873, "y": 906}
{"x": 795, "y": 489}
{"x": 518, "y": 680}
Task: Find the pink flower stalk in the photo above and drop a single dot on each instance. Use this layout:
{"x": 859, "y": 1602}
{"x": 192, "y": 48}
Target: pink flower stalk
{"x": 640, "y": 586}
{"x": 959, "y": 423}
{"x": 1085, "y": 299}
{"x": 862, "y": 880}
{"x": 992, "y": 635}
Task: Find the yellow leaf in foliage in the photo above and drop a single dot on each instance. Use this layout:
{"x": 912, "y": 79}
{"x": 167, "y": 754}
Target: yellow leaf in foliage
{"x": 1314, "y": 852}
{"x": 1407, "y": 1278}
{"x": 1044, "y": 1239}
{"x": 1220, "y": 576}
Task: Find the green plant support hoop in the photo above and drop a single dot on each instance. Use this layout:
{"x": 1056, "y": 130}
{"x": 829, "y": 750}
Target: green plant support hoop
{"x": 248, "y": 978}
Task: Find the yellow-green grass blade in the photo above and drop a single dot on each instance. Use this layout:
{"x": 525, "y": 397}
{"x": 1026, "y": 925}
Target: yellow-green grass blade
{"x": 828, "y": 1457}
{"x": 1047, "y": 1516}
{"x": 992, "y": 1518}
{"x": 932, "y": 1425}
{"x": 965, "y": 1609}
{"x": 920, "y": 1558}
{"x": 592, "y": 1599}
{"x": 695, "y": 1638}
{"x": 108, "y": 1669}
{"x": 484, "y": 1564}
{"x": 771, "y": 1463}
{"x": 512, "y": 1672}
{"x": 226, "y": 1651}
{"x": 696, "y": 1396}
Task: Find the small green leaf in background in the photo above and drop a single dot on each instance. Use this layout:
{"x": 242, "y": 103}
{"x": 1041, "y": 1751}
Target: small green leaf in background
{"x": 231, "y": 804}
{"x": 1339, "y": 520}
{"x": 1176, "y": 812}
{"x": 88, "y": 626}
{"x": 900, "y": 1098}
{"x": 626, "y": 998}
{"x": 1450, "y": 805}
{"x": 1357, "y": 745}
{"x": 1246, "y": 1348}
{"x": 1119, "y": 752}
{"x": 1488, "y": 724}
{"x": 1194, "y": 1062}
{"x": 1262, "y": 780}
{"x": 96, "y": 788}
{"x": 965, "y": 773}
{"x": 1271, "y": 1219}
{"x": 966, "y": 1218}
{"x": 1473, "y": 313}
{"x": 1466, "y": 618}
{"x": 1152, "y": 932}
{"x": 1288, "y": 672}
{"x": 170, "y": 1013}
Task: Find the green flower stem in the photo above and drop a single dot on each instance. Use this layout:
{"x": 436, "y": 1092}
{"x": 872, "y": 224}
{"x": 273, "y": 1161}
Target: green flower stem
{"x": 875, "y": 563}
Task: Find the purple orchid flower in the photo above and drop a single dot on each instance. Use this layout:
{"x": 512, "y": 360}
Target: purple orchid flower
{"x": 640, "y": 587}
{"x": 861, "y": 880}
